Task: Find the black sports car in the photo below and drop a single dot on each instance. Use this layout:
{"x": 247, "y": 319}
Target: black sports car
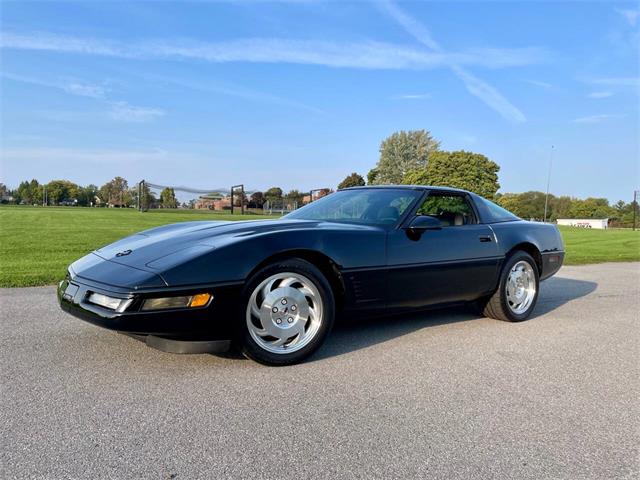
{"x": 275, "y": 287}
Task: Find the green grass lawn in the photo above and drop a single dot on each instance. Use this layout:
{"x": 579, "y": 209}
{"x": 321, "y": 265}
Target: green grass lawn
{"x": 37, "y": 244}
{"x": 584, "y": 245}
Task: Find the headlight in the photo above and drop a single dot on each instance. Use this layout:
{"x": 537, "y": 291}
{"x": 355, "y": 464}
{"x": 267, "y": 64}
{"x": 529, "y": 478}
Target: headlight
{"x": 117, "y": 304}
{"x": 164, "y": 303}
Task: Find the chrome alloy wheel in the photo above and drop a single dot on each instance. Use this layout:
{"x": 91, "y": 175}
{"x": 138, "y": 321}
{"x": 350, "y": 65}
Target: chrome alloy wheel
{"x": 284, "y": 312}
{"x": 520, "y": 287}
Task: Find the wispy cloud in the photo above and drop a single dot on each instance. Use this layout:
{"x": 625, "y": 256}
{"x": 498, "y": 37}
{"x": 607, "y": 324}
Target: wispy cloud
{"x": 212, "y": 86}
{"x": 597, "y": 118}
{"x": 616, "y": 81}
{"x": 97, "y": 156}
{"x": 600, "y": 94}
{"x": 363, "y": 55}
{"x": 630, "y": 15}
{"x": 412, "y": 96}
{"x": 84, "y": 90}
{"x": 118, "y": 110}
{"x": 72, "y": 86}
{"x": 477, "y": 87}
{"x": 538, "y": 83}
{"x": 122, "y": 111}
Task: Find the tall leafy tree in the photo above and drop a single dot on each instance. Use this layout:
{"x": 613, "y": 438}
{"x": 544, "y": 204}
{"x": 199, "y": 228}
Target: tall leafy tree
{"x": 353, "y": 180}
{"x": 591, "y": 208}
{"x": 256, "y": 200}
{"x": 273, "y": 194}
{"x": 59, "y": 190}
{"x": 401, "y": 153}
{"x": 371, "y": 176}
{"x": 461, "y": 169}
{"x": 295, "y": 196}
{"x": 168, "y": 198}
{"x": 115, "y": 192}
{"x": 87, "y": 195}
{"x": 29, "y": 193}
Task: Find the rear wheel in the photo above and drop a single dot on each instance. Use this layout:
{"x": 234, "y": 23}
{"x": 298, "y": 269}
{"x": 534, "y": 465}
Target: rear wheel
{"x": 288, "y": 310}
{"x": 517, "y": 293}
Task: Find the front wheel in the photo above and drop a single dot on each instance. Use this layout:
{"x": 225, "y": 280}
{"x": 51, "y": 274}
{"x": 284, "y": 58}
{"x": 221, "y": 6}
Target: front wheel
{"x": 517, "y": 293}
{"x": 288, "y": 310}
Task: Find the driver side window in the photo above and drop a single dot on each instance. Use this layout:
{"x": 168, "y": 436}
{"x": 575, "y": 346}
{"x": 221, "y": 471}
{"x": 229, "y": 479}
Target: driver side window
{"x": 450, "y": 208}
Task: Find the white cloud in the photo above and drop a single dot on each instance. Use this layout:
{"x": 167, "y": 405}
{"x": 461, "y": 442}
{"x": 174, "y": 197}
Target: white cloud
{"x": 477, "y": 87}
{"x": 71, "y": 86}
{"x": 540, "y": 84}
{"x": 630, "y": 15}
{"x": 84, "y": 90}
{"x": 124, "y": 112}
{"x": 364, "y": 55}
{"x": 230, "y": 90}
{"x": 412, "y": 96}
{"x": 600, "y": 94}
{"x": 616, "y": 81}
{"x": 65, "y": 155}
{"x": 596, "y": 118}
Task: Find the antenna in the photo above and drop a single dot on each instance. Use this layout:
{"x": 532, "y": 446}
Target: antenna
{"x": 546, "y": 197}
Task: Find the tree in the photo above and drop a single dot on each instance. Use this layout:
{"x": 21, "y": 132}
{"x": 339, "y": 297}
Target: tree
{"x": 115, "y": 192}
{"x": 168, "y": 198}
{"x": 371, "y": 176}
{"x": 147, "y": 198}
{"x": 274, "y": 193}
{"x": 591, "y": 208}
{"x": 29, "y": 193}
{"x": 87, "y": 195}
{"x": 401, "y": 153}
{"x": 461, "y": 169}
{"x": 256, "y": 200}
{"x": 353, "y": 180}
{"x": 59, "y": 190}
{"x": 527, "y": 205}
{"x": 294, "y": 196}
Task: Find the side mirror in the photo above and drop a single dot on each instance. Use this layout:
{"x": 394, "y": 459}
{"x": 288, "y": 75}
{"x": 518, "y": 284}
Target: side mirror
{"x": 424, "y": 222}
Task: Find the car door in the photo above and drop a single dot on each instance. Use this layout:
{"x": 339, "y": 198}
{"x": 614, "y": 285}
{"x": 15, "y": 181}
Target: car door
{"x": 457, "y": 262}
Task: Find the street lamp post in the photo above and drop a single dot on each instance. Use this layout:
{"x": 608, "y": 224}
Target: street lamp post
{"x": 546, "y": 197}
{"x": 634, "y": 205}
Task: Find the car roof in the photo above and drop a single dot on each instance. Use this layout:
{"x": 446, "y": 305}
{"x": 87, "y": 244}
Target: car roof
{"x": 408, "y": 187}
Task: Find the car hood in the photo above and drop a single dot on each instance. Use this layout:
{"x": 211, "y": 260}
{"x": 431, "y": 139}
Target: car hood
{"x": 156, "y": 249}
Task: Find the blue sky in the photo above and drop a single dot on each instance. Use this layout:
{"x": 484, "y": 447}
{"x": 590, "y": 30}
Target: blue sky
{"x": 299, "y": 94}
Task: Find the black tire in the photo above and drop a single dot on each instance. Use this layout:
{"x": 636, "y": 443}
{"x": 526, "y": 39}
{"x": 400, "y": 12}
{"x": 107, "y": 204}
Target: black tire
{"x": 252, "y": 349}
{"x": 497, "y": 306}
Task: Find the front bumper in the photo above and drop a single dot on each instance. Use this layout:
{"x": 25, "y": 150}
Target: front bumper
{"x": 210, "y": 323}
{"x": 551, "y": 263}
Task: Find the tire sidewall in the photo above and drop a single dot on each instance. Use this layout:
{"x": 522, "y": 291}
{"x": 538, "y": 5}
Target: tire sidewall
{"x": 511, "y": 261}
{"x": 248, "y": 346}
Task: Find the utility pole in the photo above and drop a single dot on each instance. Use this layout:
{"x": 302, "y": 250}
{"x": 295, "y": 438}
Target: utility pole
{"x": 634, "y": 205}
{"x": 546, "y": 197}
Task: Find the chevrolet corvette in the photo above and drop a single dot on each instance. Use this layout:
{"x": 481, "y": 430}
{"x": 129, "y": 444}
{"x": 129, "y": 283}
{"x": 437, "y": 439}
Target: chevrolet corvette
{"x": 273, "y": 288}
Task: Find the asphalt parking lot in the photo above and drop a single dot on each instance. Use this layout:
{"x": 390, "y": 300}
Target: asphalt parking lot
{"x": 441, "y": 395}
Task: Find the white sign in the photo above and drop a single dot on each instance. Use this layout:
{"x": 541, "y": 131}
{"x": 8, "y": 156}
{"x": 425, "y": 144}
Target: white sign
{"x": 584, "y": 222}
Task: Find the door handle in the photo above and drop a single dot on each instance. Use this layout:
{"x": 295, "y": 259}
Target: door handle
{"x": 484, "y": 238}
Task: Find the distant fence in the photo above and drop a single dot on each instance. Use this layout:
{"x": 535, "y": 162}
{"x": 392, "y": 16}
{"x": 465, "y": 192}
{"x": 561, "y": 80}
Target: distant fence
{"x": 233, "y": 200}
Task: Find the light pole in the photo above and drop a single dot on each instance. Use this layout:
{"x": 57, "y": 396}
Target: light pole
{"x": 546, "y": 197}
{"x": 634, "y": 205}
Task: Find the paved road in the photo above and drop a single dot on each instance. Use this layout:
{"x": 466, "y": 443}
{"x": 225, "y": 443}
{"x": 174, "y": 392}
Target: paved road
{"x": 437, "y": 395}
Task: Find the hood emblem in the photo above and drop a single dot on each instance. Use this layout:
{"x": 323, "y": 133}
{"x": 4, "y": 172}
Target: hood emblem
{"x": 123, "y": 253}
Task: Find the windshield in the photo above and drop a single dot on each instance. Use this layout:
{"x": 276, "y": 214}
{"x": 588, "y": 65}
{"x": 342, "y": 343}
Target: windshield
{"x": 376, "y": 206}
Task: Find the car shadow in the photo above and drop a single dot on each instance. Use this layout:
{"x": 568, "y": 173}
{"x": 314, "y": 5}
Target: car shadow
{"x": 350, "y": 335}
